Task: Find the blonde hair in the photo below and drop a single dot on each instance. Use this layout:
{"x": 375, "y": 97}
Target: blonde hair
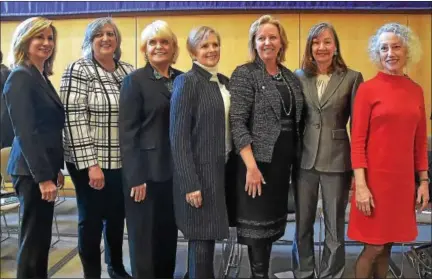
{"x": 407, "y": 36}
{"x": 197, "y": 35}
{"x": 92, "y": 29}
{"x": 254, "y": 29}
{"x": 22, "y": 37}
{"x": 159, "y": 29}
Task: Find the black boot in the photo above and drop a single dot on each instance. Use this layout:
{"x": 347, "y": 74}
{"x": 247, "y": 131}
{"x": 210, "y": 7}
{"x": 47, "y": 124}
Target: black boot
{"x": 118, "y": 272}
{"x": 259, "y": 259}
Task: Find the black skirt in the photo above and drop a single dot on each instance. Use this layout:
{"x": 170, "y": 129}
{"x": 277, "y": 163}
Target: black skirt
{"x": 262, "y": 220}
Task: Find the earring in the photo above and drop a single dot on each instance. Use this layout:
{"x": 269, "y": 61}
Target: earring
{"x": 335, "y": 53}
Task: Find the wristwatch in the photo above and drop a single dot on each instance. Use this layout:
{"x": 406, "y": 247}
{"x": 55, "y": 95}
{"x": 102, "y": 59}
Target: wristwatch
{"x": 427, "y": 179}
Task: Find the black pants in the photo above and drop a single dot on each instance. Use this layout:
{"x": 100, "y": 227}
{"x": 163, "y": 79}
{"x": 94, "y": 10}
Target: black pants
{"x": 99, "y": 210}
{"x": 36, "y": 229}
{"x": 200, "y": 259}
{"x": 152, "y": 232}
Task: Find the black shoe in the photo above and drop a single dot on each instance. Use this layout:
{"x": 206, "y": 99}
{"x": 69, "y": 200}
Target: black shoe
{"x": 119, "y": 273}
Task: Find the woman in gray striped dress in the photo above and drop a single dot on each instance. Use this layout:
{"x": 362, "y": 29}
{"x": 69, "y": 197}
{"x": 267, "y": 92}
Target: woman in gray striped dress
{"x": 201, "y": 143}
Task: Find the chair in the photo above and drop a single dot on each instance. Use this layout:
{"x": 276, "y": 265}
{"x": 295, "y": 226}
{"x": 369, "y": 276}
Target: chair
{"x": 9, "y": 200}
{"x": 6, "y": 181}
{"x": 420, "y": 259}
{"x": 420, "y": 253}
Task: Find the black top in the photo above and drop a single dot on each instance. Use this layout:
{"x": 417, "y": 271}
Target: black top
{"x": 287, "y": 102}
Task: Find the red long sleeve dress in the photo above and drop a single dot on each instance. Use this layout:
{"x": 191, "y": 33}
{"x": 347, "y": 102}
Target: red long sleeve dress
{"x": 389, "y": 141}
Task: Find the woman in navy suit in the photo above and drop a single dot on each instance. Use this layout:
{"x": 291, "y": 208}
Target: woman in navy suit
{"x": 201, "y": 143}
{"x": 146, "y": 155}
{"x": 36, "y": 157}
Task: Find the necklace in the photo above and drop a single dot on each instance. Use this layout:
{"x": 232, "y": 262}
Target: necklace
{"x": 278, "y": 77}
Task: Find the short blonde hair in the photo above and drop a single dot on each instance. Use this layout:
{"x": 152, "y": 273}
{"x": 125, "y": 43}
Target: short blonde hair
{"x": 254, "y": 29}
{"x": 407, "y": 36}
{"x": 92, "y": 29}
{"x": 159, "y": 29}
{"x": 197, "y": 35}
{"x": 22, "y": 37}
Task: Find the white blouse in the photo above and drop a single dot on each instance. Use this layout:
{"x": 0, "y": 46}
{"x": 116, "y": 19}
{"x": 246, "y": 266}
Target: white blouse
{"x": 321, "y": 84}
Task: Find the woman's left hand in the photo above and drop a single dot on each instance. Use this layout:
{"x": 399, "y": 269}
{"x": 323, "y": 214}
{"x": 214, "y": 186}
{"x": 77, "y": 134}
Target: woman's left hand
{"x": 423, "y": 196}
{"x": 60, "y": 180}
{"x": 194, "y": 199}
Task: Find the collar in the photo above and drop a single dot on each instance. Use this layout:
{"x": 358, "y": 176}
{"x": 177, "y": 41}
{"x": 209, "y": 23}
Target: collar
{"x": 157, "y": 75}
{"x": 212, "y": 70}
{"x": 205, "y": 73}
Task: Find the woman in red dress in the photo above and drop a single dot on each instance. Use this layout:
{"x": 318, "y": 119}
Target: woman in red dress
{"x": 388, "y": 145}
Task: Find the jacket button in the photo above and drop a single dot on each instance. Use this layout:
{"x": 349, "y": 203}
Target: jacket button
{"x": 317, "y": 126}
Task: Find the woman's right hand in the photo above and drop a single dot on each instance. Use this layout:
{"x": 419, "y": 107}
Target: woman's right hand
{"x": 96, "y": 177}
{"x": 254, "y": 181}
{"x": 48, "y": 190}
{"x": 364, "y": 199}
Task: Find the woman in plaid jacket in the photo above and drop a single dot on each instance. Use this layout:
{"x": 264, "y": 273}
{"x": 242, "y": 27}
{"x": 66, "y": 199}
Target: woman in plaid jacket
{"x": 90, "y": 91}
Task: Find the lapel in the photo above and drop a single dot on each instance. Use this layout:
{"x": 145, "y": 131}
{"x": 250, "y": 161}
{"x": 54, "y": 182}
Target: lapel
{"x": 333, "y": 84}
{"x": 267, "y": 87}
{"x": 158, "y": 84}
{"x": 223, "y": 80}
{"x": 311, "y": 90}
{"x": 46, "y": 85}
{"x": 210, "y": 87}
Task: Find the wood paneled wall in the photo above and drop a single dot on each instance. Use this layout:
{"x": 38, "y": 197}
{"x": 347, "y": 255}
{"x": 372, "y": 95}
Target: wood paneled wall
{"x": 353, "y": 30}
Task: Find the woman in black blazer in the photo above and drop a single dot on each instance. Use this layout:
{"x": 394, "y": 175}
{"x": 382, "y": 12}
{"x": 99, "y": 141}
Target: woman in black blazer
{"x": 146, "y": 155}
{"x": 265, "y": 114}
{"x": 201, "y": 142}
{"x": 36, "y": 157}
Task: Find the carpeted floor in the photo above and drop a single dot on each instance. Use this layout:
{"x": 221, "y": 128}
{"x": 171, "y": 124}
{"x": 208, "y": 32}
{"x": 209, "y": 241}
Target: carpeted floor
{"x": 64, "y": 261}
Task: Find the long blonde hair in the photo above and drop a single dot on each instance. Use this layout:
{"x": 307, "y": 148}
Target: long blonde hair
{"x": 22, "y": 37}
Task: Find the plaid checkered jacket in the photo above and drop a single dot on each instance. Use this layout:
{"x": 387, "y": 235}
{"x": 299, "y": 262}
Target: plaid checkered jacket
{"x": 90, "y": 96}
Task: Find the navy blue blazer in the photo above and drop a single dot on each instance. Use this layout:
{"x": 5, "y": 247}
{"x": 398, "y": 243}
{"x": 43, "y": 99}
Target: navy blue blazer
{"x": 38, "y": 118}
{"x": 144, "y": 127}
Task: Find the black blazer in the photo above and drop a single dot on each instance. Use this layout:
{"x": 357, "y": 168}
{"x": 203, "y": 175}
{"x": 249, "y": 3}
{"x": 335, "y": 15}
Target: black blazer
{"x": 38, "y": 118}
{"x": 144, "y": 127}
{"x": 6, "y": 130}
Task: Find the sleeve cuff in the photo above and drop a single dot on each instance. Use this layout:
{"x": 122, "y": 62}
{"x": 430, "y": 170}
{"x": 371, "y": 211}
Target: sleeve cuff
{"x": 85, "y": 164}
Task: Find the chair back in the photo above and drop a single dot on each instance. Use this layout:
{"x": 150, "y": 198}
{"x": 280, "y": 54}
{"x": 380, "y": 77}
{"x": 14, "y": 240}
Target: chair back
{"x": 5, "y": 177}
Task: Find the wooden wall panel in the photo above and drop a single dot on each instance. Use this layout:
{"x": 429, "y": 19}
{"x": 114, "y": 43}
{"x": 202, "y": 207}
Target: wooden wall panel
{"x": 7, "y": 29}
{"x": 127, "y": 27}
{"x": 421, "y": 72}
{"x": 234, "y": 36}
{"x": 69, "y": 41}
{"x": 354, "y": 31}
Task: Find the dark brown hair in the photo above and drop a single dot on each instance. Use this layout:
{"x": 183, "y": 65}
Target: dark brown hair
{"x": 308, "y": 64}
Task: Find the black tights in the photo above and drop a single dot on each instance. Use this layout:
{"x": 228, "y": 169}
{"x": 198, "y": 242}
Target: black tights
{"x": 373, "y": 261}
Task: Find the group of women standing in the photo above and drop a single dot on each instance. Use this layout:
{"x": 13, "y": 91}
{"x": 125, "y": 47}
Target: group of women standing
{"x": 198, "y": 152}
